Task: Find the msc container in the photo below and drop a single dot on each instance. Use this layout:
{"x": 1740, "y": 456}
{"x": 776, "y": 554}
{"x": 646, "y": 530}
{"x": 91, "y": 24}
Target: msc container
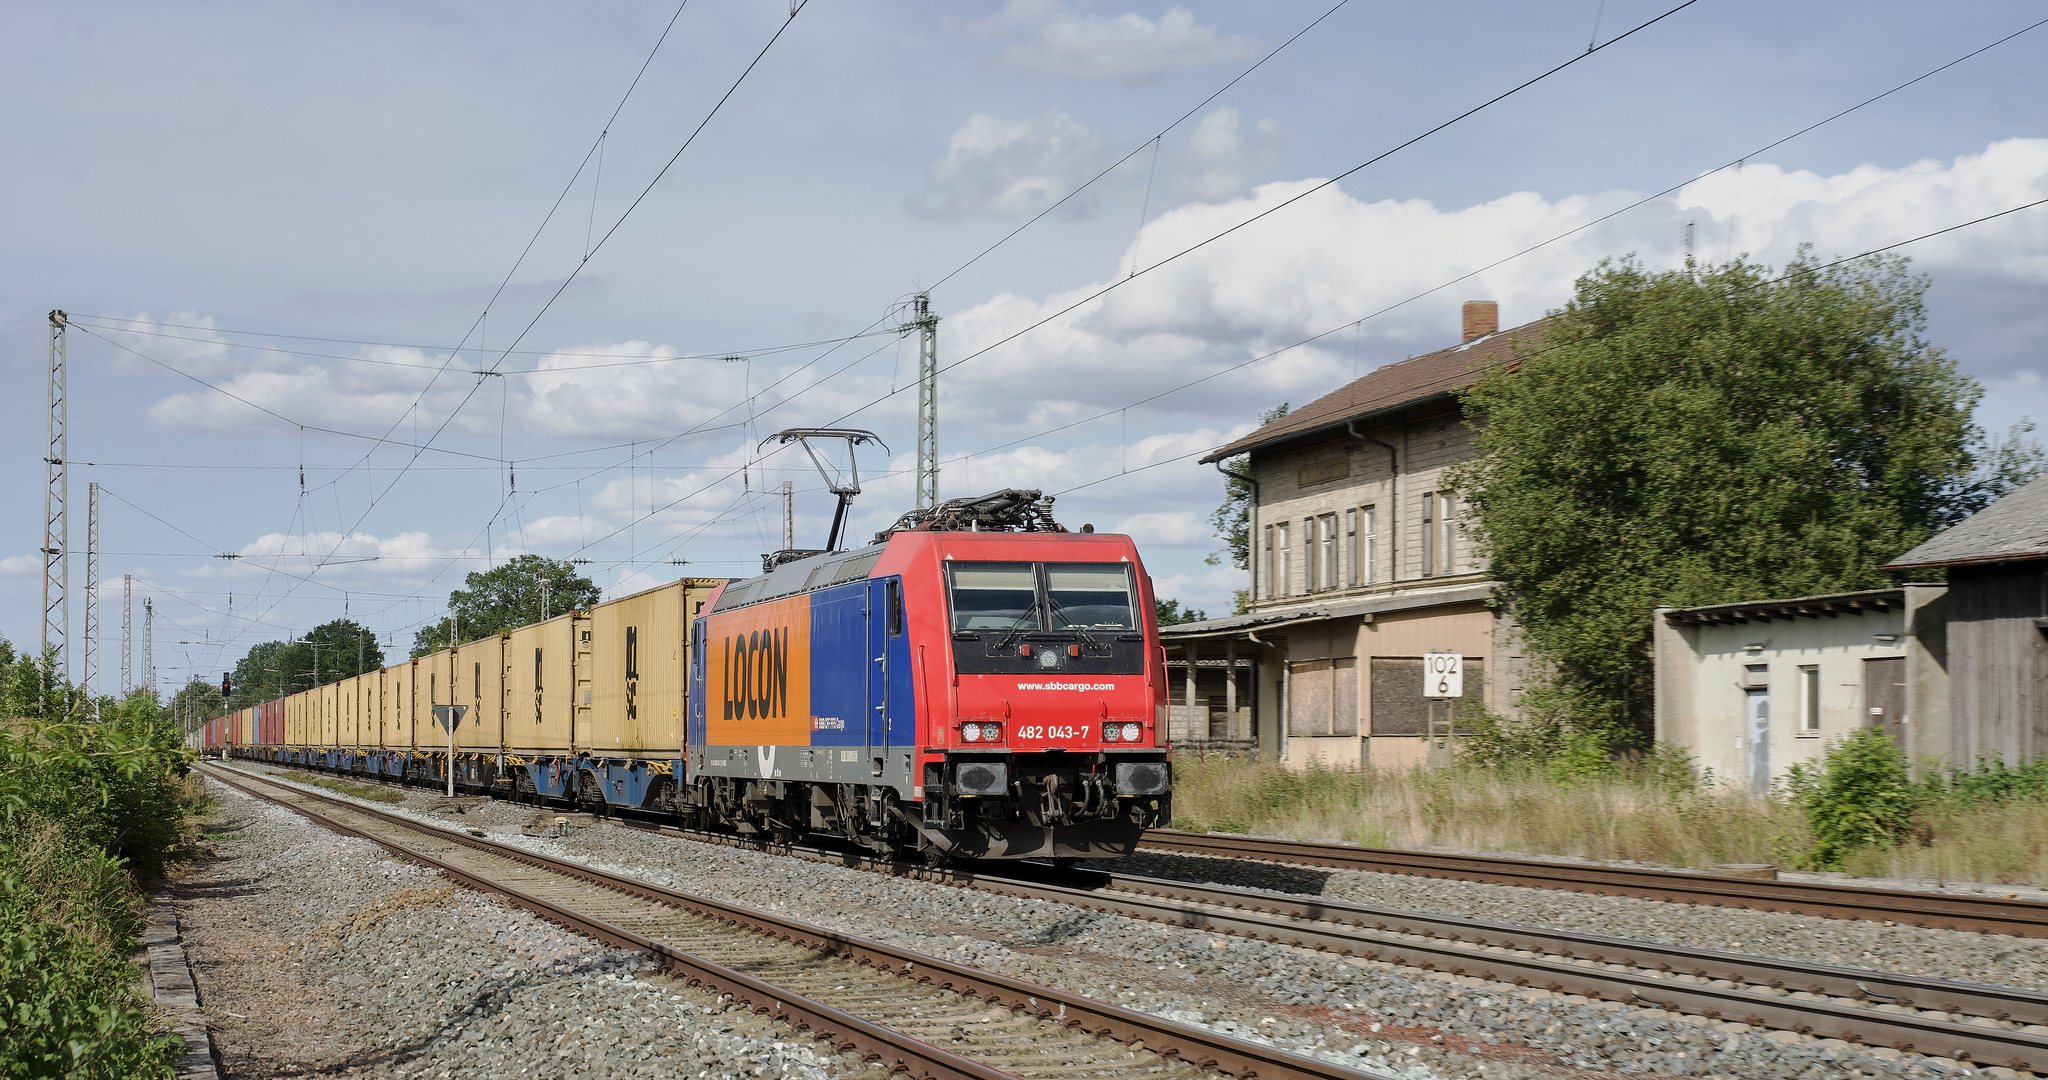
{"x": 540, "y": 661}
{"x": 639, "y": 668}
{"x": 480, "y": 684}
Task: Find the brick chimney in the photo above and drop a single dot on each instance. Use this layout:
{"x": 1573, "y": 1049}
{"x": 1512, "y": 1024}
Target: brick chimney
{"x": 1482, "y": 317}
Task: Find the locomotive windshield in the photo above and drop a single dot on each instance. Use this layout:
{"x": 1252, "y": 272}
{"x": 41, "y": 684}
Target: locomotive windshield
{"x": 1089, "y": 596}
{"x": 996, "y": 596}
{"x": 1027, "y": 597}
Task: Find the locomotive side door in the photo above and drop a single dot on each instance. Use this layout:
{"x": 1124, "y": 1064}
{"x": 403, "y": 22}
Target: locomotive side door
{"x": 878, "y": 615}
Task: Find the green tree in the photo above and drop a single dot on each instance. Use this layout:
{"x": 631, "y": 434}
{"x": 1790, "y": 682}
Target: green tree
{"x": 1232, "y": 518}
{"x": 1706, "y": 435}
{"x": 329, "y": 653}
{"x": 1170, "y": 612}
{"x": 508, "y": 597}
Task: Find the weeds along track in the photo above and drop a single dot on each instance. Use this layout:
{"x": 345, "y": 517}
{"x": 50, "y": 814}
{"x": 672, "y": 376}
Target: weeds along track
{"x": 907, "y": 1011}
{"x": 1981, "y": 914}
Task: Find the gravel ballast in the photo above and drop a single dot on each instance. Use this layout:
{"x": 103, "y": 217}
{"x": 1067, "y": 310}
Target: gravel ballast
{"x": 316, "y": 952}
{"x": 1370, "y": 1015}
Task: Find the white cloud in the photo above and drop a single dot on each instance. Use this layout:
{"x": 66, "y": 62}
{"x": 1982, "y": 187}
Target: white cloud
{"x": 1333, "y": 258}
{"x": 1054, "y": 42}
{"x": 21, "y": 564}
{"x": 997, "y": 168}
{"x": 1171, "y": 528}
{"x": 1221, "y": 155}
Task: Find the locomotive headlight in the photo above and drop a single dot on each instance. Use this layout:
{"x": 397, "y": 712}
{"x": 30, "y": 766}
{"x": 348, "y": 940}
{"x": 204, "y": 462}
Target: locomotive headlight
{"x": 991, "y": 733}
{"x": 970, "y": 733}
{"x": 1132, "y": 732}
{"x": 1112, "y": 732}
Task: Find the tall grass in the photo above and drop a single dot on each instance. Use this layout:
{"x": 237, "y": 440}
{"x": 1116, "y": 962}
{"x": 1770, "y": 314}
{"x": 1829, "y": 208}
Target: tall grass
{"x": 1629, "y": 813}
{"x": 1623, "y": 814}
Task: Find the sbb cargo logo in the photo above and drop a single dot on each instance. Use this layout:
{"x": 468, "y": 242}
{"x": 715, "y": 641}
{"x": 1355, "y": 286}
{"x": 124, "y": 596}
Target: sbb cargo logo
{"x": 758, "y": 662}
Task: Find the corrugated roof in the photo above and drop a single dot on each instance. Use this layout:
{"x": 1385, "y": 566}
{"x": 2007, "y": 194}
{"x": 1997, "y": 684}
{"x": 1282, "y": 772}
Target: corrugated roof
{"x": 2013, "y": 528}
{"x": 1395, "y": 385}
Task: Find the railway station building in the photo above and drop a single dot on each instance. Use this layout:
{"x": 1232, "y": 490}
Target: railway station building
{"x": 1360, "y": 567}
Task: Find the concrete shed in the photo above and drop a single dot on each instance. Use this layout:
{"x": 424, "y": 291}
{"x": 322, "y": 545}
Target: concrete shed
{"x": 1750, "y": 688}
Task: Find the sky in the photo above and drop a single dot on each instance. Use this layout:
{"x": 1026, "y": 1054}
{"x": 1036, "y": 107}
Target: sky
{"x": 366, "y": 297}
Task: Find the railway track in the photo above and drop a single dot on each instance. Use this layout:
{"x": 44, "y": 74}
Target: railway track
{"x": 908, "y": 1011}
{"x": 1981, "y": 914}
{"x": 1985, "y": 1023}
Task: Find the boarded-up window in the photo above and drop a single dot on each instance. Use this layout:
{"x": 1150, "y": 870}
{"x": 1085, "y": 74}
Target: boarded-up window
{"x": 1322, "y": 697}
{"x": 1398, "y": 707}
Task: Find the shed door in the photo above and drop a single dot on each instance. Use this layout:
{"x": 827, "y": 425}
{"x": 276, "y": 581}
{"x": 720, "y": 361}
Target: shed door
{"x": 1884, "y": 696}
{"x": 1758, "y": 711}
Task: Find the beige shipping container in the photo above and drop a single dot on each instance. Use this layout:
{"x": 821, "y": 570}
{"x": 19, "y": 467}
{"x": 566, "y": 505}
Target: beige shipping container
{"x": 540, "y": 711}
{"x": 330, "y": 713}
{"x": 639, "y": 668}
{"x": 480, "y": 685}
{"x": 295, "y": 728}
{"x": 348, "y": 728}
{"x": 398, "y": 705}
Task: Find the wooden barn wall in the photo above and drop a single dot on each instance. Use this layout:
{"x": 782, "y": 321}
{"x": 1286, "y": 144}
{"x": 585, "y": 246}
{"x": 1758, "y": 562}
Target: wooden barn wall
{"x": 1996, "y": 662}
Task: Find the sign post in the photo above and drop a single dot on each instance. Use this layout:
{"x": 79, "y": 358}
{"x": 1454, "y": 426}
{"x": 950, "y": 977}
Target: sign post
{"x": 450, "y": 716}
{"x": 1443, "y": 676}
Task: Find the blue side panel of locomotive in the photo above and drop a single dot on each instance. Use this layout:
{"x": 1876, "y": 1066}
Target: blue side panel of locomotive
{"x": 839, "y": 666}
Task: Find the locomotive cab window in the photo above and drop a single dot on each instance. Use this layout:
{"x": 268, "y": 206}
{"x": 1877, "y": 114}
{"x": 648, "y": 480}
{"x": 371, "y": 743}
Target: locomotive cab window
{"x": 1090, "y": 596}
{"x": 895, "y": 600}
{"x": 995, "y": 596}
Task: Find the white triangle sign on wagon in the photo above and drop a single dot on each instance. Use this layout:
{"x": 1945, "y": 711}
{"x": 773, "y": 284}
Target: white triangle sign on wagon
{"x": 1443, "y": 675}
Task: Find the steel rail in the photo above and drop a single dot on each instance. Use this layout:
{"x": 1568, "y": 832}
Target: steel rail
{"x": 1993, "y": 915}
{"x": 1351, "y": 931}
{"x": 1989, "y": 1045}
{"x": 1877, "y": 987}
{"x": 839, "y": 1029}
{"x": 1369, "y": 933}
{"x": 1168, "y": 1039}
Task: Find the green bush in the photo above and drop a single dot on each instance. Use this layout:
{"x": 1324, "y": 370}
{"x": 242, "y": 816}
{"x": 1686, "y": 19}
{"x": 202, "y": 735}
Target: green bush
{"x": 1857, "y": 797}
{"x": 91, "y": 806}
{"x": 68, "y": 1006}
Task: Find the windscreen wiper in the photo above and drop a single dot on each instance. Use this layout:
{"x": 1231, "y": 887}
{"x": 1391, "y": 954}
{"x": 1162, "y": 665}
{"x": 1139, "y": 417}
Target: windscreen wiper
{"x": 1060, "y": 612}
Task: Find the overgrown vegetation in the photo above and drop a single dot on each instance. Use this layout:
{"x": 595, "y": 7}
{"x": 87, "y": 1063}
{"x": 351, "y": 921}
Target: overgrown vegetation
{"x": 1855, "y": 811}
{"x": 1712, "y": 434}
{"x": 1646, "y": 809}
{"x": 92, "y": 808}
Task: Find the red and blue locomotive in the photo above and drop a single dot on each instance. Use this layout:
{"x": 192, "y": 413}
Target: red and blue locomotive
{"x": 978, "y": 683}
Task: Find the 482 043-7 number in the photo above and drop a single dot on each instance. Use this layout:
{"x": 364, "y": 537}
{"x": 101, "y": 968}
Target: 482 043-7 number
{"x": 1055, "y": 732}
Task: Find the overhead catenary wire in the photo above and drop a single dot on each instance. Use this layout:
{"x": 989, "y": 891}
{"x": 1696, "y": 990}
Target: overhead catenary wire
{"x": 1260, "y": 216}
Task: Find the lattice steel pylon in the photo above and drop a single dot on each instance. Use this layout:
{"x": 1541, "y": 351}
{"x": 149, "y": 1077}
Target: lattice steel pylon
{"x": 127, "y": 635}
{"x": 149, "y": 645}
{"x": 56, "y": 528}
{"x": 90, "y": 675}
{"x": 927, "y": 326}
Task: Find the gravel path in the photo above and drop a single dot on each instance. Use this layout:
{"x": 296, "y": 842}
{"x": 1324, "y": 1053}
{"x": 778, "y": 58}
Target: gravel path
{"x": 320, "y": 954}
{"x": 1373, "y": 1016}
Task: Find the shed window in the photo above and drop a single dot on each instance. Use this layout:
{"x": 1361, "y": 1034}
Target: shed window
{"x": 1429, "y": 534}
{"x": 1809, "y": 699}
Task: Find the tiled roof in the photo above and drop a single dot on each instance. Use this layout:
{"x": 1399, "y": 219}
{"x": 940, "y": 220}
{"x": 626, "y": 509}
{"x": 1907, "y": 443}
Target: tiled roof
{"x": 1394, "y": 385}
{"x": 2013, "y": 528}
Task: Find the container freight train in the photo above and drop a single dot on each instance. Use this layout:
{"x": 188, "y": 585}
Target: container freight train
{"x": 978, "y": 683}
